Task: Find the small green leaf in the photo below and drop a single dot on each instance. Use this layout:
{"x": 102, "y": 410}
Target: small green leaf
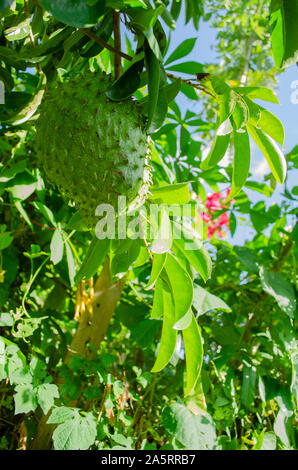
{"x": 271, "y": 125}
{"x": 46, "y": 394}
{"x": 181, "y": 286}
{"x": 260, "y": 92}
{"x": 217, "y": 152}
{"x": 25, "y": 399}
{"x": 193, "y": 354}
{"x": 78, "y": 433}
{"x": 182, "y": 50}
{"x": 241, "y": 162}
{"x": 248, "y": 384}
{"x": 271, "y": 151}
{"x": 190, "y": 68}
{"x": 57, "y": 247}
{"x": 157, "y": 266}
{"x": 169, "y": 335}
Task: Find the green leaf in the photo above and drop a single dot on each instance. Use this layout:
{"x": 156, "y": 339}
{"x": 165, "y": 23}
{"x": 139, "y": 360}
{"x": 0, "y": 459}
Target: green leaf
{"x": 157, "y": 309}
{"x": 169, "y": 335}
{"x": 193, "y": 353}
{"x": 227, "y": 103}
{"x": 71, "y": 264}
{"x": 4, "y": 4}
{"x": 46, "y": 394}
{"x": 204, "y": 301}
{"x": 241, "y": 162}
{"x": 57, "y": 247}
{"x": 182, "y": 50}
{"x": 284, "y": 32}
{"x": 260, "y": 92}
{"x": 94, "y": 258}
{"x": 248, "y": 384}
{"x": 78, "y": 433}
{"x": 217, "y": 152}
{"x": 271, "y": 152}
{"x": 61, "y": 414}
{"x": 6, "y": 319}
{"x": 78, "y": 13}
{"x": 194, "y": 251}
{"x": 193, "y": 432}
{"x": 190, "y": 68}
{"x": 25, "y": 399}
{"x": 46, "y": 212}
{"x": 30, "y": 108}
{"x": 274, "y": 284}
{"x": 157, "y": 266}
{"x": 128, "y": 83}
{"x": 153, "y": 74}
{"x": 171, "y": 194}
{"x": 271, "y": 125}
{"x": 20, "y": 31}
{"x": 181, "y": 286}
{"x": 51, "y": 44}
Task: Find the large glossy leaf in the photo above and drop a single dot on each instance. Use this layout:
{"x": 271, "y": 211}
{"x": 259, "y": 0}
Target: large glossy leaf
{"x": 78, "y": 13}
{"x": 271, "y": 125}
{"x": 241, "y": 162}
{"x": 168, "y": 335}
{"x": 257, "y": 92}
{"x": 153, "y": 74}
{"x": 128, "y": 83}
{"x": 196, "y": 254}
{"x": 193, "y": 353}
{"x": 271, "y": 152}
{"x": 284, "y": 32}
{"x": 157, "y": 266}
{"x": 181, "y": 286}
{"x": 217, "y": 152}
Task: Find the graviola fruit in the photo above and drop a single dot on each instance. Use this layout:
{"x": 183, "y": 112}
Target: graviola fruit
{"x": 92, "y": 148}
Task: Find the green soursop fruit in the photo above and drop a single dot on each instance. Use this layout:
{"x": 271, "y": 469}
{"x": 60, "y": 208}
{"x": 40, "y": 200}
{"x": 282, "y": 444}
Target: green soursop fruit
{"x": 92, "y": 148}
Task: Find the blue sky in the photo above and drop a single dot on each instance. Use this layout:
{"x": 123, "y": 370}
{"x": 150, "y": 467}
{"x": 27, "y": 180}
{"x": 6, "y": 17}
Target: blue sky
{"x": 286, "y": 111}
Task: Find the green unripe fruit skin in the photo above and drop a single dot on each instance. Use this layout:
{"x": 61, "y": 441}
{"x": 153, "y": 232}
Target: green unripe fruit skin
{"x": 92, "y": 148}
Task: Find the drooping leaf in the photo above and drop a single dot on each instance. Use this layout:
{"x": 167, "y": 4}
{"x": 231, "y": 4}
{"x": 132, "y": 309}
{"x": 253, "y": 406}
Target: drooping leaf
{"x": 181, "y": 286}
{"x": 57, "y": 247}
{"x": 271, "y": 125}
{"x": 271, "y": 152}
{"x": 217, "y": 152}
{"x": 157, "y": 266}
{"x": 193, "y": 353}
{"x": 241, "y": 162}
{"x": 128, "y": 83}
{"x": 153, "y": 74}
{"x": 169, "y": 334}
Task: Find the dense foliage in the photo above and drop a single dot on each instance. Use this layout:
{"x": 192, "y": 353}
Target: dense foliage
{"x": 154, "y": 341}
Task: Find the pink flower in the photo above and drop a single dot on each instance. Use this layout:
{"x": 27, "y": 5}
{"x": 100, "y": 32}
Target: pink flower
{"x": 223, "y": 219}
{"x": 211, "y": 230}
{"x": 213, "y": 202}
{"x": 206, "y": 217}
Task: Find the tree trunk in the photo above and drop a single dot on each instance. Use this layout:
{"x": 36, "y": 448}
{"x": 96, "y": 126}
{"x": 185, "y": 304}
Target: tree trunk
{"x": 91, "y": 330}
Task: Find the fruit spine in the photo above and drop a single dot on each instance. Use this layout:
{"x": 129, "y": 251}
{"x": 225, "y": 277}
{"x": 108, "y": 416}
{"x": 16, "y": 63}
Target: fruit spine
{"x": 92, "y": 148}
